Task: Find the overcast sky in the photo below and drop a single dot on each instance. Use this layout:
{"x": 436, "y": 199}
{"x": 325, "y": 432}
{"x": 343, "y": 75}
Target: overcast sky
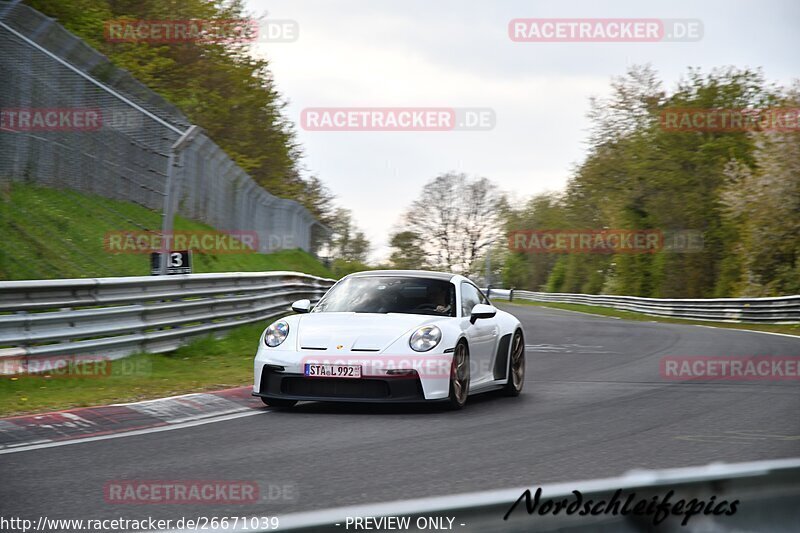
{"x": 434, "y": 53}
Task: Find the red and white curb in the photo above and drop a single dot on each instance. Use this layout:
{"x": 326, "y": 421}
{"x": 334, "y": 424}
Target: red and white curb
{"x": 96, "y": 423}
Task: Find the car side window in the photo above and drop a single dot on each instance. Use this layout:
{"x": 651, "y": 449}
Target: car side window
{"x": 470, "y": 297}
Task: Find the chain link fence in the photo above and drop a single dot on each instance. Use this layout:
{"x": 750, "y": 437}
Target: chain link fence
{"x": 72, "y": 120}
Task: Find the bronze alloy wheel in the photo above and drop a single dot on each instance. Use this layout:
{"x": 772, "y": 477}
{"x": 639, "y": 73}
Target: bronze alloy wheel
{"x": 459, "y": 376}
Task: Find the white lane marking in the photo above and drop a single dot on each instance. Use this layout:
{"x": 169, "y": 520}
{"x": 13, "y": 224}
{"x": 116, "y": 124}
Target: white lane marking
{"x": 565, "y": 348}
{"x": 796, "y": 337}
{"x": 24, "y": 448}
{"x": 579, "y": 312}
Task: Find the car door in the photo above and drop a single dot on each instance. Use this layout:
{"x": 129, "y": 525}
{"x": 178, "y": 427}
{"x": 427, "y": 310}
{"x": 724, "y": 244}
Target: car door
{"x": 481, "y": 335}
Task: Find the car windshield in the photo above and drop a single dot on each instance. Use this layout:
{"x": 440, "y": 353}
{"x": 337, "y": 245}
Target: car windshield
{"x": 374, "y": 294}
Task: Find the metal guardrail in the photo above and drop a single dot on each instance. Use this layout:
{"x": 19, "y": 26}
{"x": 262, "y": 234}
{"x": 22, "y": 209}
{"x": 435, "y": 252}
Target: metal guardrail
{"x": 767, "y": 491}
{"x": 779, "y": 310}
{"x": 115, "y": 317}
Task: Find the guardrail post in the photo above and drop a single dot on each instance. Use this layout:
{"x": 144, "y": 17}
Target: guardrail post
{"x": 168, "y": 212}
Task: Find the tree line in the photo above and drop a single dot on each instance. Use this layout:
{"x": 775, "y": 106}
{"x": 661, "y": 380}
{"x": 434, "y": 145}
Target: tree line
{"x": 739, "y": 190}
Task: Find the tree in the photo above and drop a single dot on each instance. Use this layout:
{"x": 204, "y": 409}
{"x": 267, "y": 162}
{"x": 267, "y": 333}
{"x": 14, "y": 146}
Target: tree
{"x": 531, "y": 270}
{"x": 347, "y": 243}
{"x": 764, "y": 204}
{"x": 408, "y": 251}
{"x": 456, "y": 219}
{"x": 739, "y": 189}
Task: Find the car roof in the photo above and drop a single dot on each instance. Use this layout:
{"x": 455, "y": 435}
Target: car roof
{"x": 446, "y": 276}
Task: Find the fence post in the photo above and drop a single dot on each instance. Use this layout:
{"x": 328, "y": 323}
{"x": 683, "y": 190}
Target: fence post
{"x": 169, "y": 200}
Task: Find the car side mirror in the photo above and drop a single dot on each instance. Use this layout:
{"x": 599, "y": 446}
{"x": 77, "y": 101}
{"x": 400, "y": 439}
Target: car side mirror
{"x": 301, "y": 306}
{"x": 482, "y": 311}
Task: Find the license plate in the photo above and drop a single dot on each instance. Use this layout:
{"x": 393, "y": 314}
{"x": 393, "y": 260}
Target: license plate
{"x": 332, "y": 371}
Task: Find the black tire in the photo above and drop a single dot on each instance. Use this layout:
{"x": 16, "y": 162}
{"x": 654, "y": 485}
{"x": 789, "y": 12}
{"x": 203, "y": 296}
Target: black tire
{"x": 516, "y": 366}
{"x": 459, "y": 377}
{"x": 280, "y": 404}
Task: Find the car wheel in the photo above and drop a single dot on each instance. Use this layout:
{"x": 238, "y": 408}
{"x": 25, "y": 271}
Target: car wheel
{"x": 459, "y": 376}
{"x": 280, "y": 404}
{"x": 516, "y": 366}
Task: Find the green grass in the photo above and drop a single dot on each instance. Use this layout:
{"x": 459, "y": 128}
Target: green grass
{"x": 205, "y": 364}
{"x": 49, "y": 233}
{"x": 789, "y": 329}
{"x": 53, "y": 233}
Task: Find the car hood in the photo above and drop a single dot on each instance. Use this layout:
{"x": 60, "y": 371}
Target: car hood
{"x": 356, "y": 331}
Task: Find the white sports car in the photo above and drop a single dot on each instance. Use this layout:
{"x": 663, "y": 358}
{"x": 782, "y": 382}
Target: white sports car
{"x": 391, "y": 336}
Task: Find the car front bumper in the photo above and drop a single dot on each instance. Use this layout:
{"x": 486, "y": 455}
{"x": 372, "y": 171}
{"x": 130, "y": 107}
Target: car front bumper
{"x": 281, "y": 374}
{"x": 281, "y": 385}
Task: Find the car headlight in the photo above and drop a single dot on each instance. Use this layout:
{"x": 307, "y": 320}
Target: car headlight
{"x": 276, "y": 333}
{"x": 425, "y": 338}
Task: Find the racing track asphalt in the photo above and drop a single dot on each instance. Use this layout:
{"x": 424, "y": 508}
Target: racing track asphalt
{"x": 594, "y": 405}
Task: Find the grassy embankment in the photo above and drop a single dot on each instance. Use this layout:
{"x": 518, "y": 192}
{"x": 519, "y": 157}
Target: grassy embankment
{"x": 49, "y": 233}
